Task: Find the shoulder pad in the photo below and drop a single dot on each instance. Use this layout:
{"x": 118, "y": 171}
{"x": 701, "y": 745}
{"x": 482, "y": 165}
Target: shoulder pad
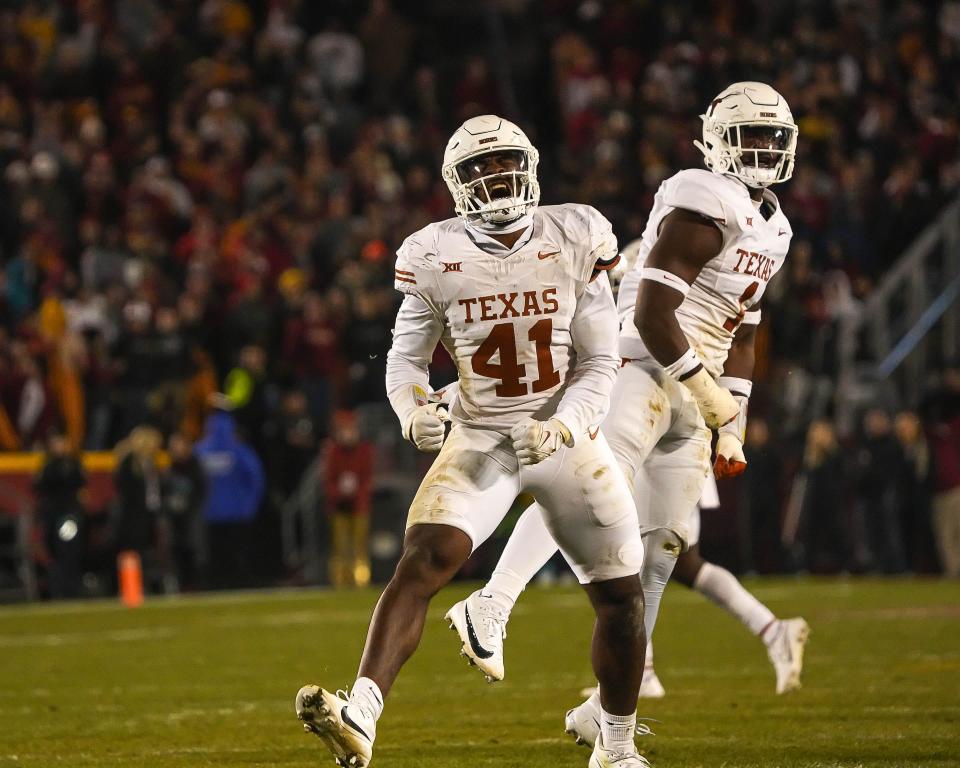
{"x": 696, "y": 190}
{"x": 587, "y": 228}
{"x": 416, "y": 259}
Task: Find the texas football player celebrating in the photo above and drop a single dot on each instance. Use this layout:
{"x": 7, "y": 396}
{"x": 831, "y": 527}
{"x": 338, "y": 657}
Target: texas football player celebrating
{"x": 518, "y": 295}
{"x": 689, "y": 313}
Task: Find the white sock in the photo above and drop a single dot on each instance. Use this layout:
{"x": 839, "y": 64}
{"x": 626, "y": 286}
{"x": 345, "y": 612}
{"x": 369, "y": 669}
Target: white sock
{"x": 529, "y": 548}
{"x": 367, "y": 694}
{"x": 722, "y": 587}
{"x": 616, "y": 731}
{"x": 648, "y": 656}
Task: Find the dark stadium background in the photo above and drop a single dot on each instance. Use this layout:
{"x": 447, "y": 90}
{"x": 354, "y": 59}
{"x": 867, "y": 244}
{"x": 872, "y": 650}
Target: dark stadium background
{"x": 203, "y": 197}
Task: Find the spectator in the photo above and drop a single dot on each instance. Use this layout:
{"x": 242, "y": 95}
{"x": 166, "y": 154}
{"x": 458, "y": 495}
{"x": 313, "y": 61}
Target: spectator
{"x": 246, "y": 389}
{"x": 235, "y": 483}
{"x": 138, "y": 504}
{"x": 59, "y": 487}
{"x": 293, "y": 444}
{"x": 913, "y": 494}
{"x": 183, "y": 491}
{"x": 348, "y": 484}
{"x": 311, "y": 348}
{"x": 945, "y": 443}
{"x": 879, "y": 466}
{"x": 817, "y": 502}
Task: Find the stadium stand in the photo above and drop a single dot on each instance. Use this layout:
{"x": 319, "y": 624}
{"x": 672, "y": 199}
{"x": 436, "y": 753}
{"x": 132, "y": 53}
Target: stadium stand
{"x": 205, "y": 197}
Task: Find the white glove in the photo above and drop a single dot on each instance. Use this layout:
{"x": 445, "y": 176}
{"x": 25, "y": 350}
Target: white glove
{"x": 426, "y": 427}
{"x": 716, "y": 404}
{"x": 730, "y": 460}
{"x": 535, "y": 440}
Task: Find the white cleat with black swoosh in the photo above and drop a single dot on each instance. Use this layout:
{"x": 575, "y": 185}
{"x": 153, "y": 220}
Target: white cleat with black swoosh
{"x": 344, "y": 725}
{"x": 482, "y": 627}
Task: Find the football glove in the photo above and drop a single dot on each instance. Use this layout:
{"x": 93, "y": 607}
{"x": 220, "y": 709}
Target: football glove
{"x": 716, "y": 404}
{"x": 426, "y": 428}
{"x": 535, "y": 440}
{"x": 730, "y": 460}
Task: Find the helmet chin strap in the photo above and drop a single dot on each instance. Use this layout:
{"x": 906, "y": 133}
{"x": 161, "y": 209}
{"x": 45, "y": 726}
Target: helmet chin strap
{"x": 501, "y": 228}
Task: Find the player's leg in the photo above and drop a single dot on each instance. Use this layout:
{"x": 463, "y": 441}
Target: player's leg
{"x": 460, "y": 502}
{"x": 432, "y": 554}
{"x": 783, "y": 638}
{"x": 529, "y": 548}
{"x": 589, "y": 512}
{"x": 651, "y": 687}
{"x": 667, "y": 492}
{"x": 638, "y": 416}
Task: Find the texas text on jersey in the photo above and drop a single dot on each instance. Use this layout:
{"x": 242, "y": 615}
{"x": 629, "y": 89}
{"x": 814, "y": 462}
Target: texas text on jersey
{"x": 508, "y": 316}
{"x": 755, "y": 243}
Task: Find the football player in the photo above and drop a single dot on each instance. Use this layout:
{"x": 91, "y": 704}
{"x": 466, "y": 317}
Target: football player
{"x": 689, "y": 312}
{"x": 714, "y": 581}
{"x": 518, "y": 295}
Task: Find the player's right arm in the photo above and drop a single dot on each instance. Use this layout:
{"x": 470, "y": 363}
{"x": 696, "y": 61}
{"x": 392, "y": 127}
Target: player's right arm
{"x": 686, "y": 242}
{"x": 415, "y": 335}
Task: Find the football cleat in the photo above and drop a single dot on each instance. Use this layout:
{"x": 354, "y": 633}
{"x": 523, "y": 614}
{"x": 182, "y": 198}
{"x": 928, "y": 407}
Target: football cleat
{"x": 583, "y": 722}
{"x": 346, "y": 728}
{"x": 482, "y": 627}
{"x": 786, "y": 653}
{"x": 608, "y": 758}
{"x": 651, "y": 687}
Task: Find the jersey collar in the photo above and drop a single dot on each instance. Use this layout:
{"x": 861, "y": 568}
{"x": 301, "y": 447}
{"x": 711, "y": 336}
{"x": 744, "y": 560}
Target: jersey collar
{"x": 489, "y": 245}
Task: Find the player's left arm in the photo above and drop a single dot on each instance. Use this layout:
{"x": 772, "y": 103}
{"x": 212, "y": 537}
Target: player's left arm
{"x": 737, "y": 378}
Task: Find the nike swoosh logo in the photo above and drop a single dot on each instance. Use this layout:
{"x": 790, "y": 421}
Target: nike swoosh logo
{"x": 781, "y": 232}
{"x": 478, "y": 649}
{"x": 593, "y": 433}
{"x": 541, "y": 255}
{"x": 345, "y": 716}
{"x": 546, "y": 438}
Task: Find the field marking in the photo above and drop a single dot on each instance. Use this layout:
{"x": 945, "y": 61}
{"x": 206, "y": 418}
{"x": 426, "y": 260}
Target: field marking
{"x": 53, "y": 639}
{"x": 892, "y": 614}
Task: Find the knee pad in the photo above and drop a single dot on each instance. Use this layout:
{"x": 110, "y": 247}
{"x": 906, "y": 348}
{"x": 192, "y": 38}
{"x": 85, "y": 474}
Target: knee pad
{"x": 661, "y": 547}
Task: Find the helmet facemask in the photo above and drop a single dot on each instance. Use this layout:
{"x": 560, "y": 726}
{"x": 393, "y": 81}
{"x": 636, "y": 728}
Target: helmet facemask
{"x": 757, "y": 153}
{"x": 762, "y": 154}
{"x": 496, "y": 186}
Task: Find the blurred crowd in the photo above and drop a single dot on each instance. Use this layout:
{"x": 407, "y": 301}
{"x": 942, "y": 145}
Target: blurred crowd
{"x": 885, "y": 499}
{"x": 205, "y": 197}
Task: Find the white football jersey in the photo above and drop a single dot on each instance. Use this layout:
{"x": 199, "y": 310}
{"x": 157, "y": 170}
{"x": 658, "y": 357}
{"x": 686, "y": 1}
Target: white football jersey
{"x": 720, "y": 299}
{"x": 507, "y": 317}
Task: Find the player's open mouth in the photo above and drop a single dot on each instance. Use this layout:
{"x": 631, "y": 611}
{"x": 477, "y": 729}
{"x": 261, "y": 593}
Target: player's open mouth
{"x": 500, "y": 190}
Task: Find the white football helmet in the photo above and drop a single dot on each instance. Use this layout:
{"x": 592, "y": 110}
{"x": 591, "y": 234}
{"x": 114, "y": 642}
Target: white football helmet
{"x": 497, "y": 197}
{"x": 749, "y": 132}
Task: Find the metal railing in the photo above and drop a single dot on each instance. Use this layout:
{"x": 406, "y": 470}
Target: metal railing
{"x": 911, "y": 320}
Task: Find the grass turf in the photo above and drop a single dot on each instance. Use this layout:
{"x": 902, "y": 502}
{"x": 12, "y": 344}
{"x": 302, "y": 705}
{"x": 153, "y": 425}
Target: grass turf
{"x": 210, "y": 681}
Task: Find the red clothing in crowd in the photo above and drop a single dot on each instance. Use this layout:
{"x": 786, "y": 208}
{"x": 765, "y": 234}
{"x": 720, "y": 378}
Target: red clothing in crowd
{"x": 945, "y": 441}
{"x": 311, "y": 347}
{"x": 348, "y": 477}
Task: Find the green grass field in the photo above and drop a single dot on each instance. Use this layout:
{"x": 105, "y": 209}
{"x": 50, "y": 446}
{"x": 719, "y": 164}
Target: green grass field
{"x": 210, "y": 681}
